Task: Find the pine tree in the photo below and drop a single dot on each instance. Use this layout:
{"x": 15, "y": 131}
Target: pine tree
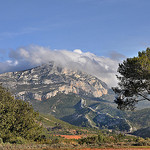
{"x": 134, "y": 82}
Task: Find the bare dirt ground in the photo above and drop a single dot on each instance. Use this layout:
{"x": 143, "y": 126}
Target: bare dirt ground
{"x": 72, "y": 136}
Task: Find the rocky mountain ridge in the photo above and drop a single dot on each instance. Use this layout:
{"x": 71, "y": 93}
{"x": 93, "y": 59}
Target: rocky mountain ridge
{"x": 47, "y": 80}
{"x": 70, "y": 95}
{"x": 98, "y": 119}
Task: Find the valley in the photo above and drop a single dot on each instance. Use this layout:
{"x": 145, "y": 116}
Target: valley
{"x": 73, "y": 96}
{"x": 74, "y": 75}
{"x": 76, "y": 110}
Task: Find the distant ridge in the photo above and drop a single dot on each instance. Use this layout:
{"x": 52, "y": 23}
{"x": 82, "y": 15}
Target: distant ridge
{"x": 70, "y": 95}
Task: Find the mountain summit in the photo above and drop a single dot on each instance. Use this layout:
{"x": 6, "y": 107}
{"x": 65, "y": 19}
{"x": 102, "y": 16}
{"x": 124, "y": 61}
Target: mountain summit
{"x": 69, "y": 94}
{"x": 48, "y": 80}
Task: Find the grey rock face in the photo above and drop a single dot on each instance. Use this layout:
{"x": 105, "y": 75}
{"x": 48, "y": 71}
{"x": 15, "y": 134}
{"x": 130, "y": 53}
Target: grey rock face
{"x": 46, "y": 88}
{"x": 46, "y": 81}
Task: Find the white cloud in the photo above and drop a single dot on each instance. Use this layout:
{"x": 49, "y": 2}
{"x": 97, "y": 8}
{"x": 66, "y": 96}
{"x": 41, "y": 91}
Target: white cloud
{"x": 12, "y": 63}
{"x": 26, "y": 57}
{"x": 78, "y": 51}
{"x": 24, "y": 53}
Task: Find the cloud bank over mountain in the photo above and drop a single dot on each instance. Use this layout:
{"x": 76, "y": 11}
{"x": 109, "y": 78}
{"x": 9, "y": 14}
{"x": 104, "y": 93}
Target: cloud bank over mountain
{"x": 28, "y": 57}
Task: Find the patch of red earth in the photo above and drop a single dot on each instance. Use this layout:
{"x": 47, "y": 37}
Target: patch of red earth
{"x": 72, "y": 136}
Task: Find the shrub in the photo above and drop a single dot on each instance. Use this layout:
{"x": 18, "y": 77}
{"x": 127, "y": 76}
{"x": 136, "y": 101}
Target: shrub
{"x": 17, "y": 140}
{"x": 1, "y": 140}
{"x": 17, "y": 118}
{"x": 94, "y": 140}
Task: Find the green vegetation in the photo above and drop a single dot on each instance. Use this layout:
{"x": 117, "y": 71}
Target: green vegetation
{"x": 58, "y": 127}
{"x": 140, "y": 118}
{"x": 68, "y": 108}
{"x": 134, "y": 85}
{"x": 114, "y": 140}
{"x": 144, "y": 132}
{"x": 60, "y": 105}
{"x": 18, "y": 120}
{"x": 21, "y": 125}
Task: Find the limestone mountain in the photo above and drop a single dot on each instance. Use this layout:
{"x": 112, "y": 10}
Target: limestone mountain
{"x": 70, "y": 95}
{"x": 48, "y": 80}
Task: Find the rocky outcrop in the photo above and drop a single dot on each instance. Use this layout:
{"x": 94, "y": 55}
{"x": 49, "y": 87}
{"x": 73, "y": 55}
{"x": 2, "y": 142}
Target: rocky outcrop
{"x": 88, "y": 116}
{"x": 48, "y": 80}
{"x": 105, "y": 120}
{"x": 71, "y": 95}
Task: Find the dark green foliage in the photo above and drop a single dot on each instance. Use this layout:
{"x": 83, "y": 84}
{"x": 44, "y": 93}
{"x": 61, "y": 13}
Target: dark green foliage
{"x": 111, "y": 139}
{"x": 144, "y": 132}
{"x": 134, "y": 85}
{"x": 64, "y": 104}
{"x": 1, "y": 140}
{"x": 17, "y": 119}
{"x": 17, "y": 140}
{"x": 140, "y": 118}
{"x": 99, "y": 139}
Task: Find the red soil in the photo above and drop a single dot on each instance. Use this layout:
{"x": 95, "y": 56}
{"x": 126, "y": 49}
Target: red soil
{"x": 72, "y": 136}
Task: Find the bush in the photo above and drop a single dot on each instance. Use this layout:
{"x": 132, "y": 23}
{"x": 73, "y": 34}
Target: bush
{"x": 94, "y": 140}
{"x": 18, "y": 140}
{"x": 17, "y": 118}
{"x": 88, "y": 140}
{"x": 141, "y": 142}
{"x": 1, "y": 141}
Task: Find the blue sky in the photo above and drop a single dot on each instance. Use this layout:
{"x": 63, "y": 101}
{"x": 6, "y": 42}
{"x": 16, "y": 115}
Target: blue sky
{"x": 101, "y": 27}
